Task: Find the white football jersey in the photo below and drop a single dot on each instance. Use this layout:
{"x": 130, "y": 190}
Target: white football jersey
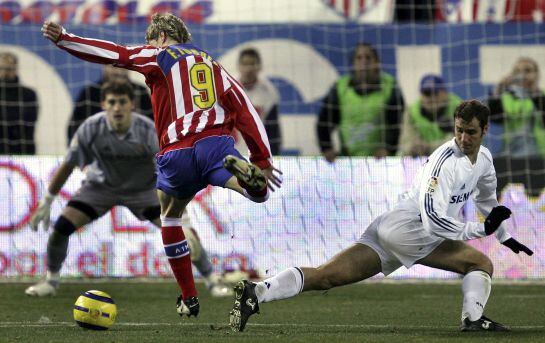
{"x": 444, "y": 184}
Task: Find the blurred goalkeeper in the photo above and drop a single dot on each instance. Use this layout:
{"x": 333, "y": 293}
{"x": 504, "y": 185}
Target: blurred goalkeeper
{"x": 196, "y": 105}
{"x": 424, "y": 228}
{"x": 117, "y": 149}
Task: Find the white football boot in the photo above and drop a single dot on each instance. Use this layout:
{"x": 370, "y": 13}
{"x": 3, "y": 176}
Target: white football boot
{"x": 219, "y": 290}
{"x": 217, "y": 287}
{"x": 42, "y": 289}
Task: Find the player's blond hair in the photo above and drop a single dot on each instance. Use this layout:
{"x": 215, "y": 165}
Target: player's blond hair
{"x": 171, "y": 25}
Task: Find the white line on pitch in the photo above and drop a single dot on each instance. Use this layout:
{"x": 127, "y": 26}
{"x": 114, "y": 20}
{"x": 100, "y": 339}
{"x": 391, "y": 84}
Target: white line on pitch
{"x": 453, "y": 295}
{"x": 370, "y": 326}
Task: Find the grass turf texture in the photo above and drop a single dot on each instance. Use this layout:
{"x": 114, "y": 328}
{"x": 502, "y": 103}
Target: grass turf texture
{"x": 373, "y": 312}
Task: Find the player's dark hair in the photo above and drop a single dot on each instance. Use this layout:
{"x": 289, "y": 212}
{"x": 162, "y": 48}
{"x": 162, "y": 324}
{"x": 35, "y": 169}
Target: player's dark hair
{"x": 171, "y": 25}
{"x": 371, "y": 48}
{"x": 116, "y": 88}
{"x": 252, "y": 52}
{"x": 529, "y": 60}
{"x": 469, "y": 109}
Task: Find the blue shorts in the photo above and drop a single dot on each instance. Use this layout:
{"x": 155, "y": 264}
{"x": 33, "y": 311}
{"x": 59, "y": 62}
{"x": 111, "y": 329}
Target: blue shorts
{"x": 182, "y": 173}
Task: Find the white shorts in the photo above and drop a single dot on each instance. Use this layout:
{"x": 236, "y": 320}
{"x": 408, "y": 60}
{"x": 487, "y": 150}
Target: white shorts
{"x": 399, "y": 238}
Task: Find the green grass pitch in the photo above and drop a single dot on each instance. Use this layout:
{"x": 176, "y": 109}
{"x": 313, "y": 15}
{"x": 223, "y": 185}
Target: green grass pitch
{"x": 367, "y": 312}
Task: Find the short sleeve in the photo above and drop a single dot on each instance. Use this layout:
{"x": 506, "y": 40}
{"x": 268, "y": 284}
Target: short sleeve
{"x": 79, "y": 153}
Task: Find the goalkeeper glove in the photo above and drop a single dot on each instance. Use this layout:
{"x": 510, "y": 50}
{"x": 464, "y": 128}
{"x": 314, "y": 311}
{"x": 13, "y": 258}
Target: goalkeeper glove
{"x": 517, "y": 247}
{"x": 495, "y": 218}
{"x": 42, "y": 212}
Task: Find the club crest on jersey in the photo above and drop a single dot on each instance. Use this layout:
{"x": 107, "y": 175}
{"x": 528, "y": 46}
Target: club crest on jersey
{"x": 433, "y": 182}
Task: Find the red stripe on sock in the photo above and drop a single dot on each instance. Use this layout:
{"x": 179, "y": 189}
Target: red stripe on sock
{"x": 181, "y": 267}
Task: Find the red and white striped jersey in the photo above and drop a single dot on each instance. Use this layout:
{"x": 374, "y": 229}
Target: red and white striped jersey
{"x": 192, "y": 95}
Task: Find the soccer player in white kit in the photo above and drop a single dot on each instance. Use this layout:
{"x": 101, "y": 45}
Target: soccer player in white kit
{"x": 424, "y": 228}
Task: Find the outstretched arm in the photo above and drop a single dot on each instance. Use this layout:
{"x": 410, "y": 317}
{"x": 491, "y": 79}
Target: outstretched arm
{"x": 486, "y": 201}
{"x": 436, "y": 185}
{"x": 139, "y": 58}
{"x": 59, "y": 177}
{"x": 78, "y": 154}
{"x": 52, "y": 31}
{"x": 253, "y": 132}
{"x": 250, "y": 126}
{"x": 43, "y": 211}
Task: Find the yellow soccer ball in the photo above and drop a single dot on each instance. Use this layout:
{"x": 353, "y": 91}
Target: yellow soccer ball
{"x": 95, "y": 310}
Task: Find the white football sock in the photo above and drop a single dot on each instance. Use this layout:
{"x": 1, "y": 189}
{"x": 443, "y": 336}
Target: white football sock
{"x": 476, "y": 289}
{"x": 286, "y": 284}
{"x": 53, "y": 278}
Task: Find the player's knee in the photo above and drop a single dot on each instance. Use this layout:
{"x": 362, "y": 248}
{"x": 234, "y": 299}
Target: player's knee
{"x": 324, "y": 283}
{"x": 64, "y": 226}
{"x": 332, "y": 281}
{"x": 326, "y": 280}
{"x": 488, "y": 267}
{"x": 484, "y": 263}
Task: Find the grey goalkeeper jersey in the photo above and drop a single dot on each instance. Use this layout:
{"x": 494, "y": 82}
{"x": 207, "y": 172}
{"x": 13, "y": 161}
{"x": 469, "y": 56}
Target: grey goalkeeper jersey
{"x": 124, "y": 163}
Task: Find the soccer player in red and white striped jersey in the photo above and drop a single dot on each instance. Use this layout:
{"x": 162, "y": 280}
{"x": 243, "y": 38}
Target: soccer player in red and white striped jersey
{"x": 196, "y": 104}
